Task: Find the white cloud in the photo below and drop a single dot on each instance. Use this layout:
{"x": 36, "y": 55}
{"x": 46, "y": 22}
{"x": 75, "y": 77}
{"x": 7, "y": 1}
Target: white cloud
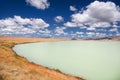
{"x": 97, "y": 14}
{"x": 100, "y": 24}
{"x": 46, "y": 31}
{"x": 100, "y": 35}
{"x": 59, "y": 19}
{"x": 72, "y": 8}
{"x": 90, "y": 33}
{"x": 103, "y": 11}
{"x": 101, "y": 30}
{"x": 113, "y": 30}
{"x": 91, "y": 29}
{"x": 39, "y": 4}
{"x": 73, "y": 24}
{"x": 60, "y": 30}
{"x": 20, "y": 26}
{"x": 70, "y": 24}
{"x": 79, "y": 33}
{"x": 116, "y": 26}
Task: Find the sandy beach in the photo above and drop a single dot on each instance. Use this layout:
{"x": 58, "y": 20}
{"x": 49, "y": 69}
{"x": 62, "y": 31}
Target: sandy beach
{"x": 15, "y": 67}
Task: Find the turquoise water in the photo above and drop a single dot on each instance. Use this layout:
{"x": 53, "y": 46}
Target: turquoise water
{"x": 92, "y": 60}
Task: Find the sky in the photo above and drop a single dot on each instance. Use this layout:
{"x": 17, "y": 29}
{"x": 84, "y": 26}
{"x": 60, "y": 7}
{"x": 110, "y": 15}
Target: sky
{"x": 60, "y": 18}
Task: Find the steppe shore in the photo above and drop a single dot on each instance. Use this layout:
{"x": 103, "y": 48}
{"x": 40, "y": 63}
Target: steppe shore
{"x": 15, "y": 67}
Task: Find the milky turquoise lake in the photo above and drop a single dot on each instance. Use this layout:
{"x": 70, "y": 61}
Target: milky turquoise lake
{"x": 92, "y": 60}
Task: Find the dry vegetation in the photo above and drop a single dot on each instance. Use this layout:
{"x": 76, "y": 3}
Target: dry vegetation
{"x": 15, "y": 67}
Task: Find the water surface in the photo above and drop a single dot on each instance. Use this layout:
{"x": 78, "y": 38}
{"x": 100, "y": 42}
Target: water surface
{"x": 92, "y": 60}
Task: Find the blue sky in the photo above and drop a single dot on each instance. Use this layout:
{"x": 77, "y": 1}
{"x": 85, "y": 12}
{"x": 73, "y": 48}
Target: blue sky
{"x": 60, "y": 18}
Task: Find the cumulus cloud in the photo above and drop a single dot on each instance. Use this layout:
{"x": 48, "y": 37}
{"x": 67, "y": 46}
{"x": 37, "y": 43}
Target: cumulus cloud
{"x": 20, "y": 26}
{"x": 72, "y": 8}
{"x": 91, "y": 28}
{"x": 60, "y": 30}
{"x": 70, "y": 24}
{"x": 96, "y": 14}
{"x": 113, "y": 30}
{"x": 39, "y": 4}
{"x": 59, "y": 19}
{"x": 90, "y": 33}
{"x": 100, "y": 35}
{"x": 79, "y": 33}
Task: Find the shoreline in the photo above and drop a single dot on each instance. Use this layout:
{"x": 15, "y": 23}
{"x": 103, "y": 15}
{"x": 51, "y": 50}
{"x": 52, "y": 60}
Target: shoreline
{"x": 13, "y": 66}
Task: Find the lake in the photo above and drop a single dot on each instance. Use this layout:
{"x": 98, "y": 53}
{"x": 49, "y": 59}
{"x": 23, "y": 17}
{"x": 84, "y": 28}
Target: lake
{"x": 92, "y": 60}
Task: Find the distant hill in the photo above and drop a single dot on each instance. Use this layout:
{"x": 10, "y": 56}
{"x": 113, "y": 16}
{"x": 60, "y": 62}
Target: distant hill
{"x": 73, "y": 39}
{"x": 116, "y": 38}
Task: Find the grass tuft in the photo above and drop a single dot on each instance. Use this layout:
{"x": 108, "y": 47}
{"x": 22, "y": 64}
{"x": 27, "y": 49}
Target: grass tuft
{"x": 1, "y": 78}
